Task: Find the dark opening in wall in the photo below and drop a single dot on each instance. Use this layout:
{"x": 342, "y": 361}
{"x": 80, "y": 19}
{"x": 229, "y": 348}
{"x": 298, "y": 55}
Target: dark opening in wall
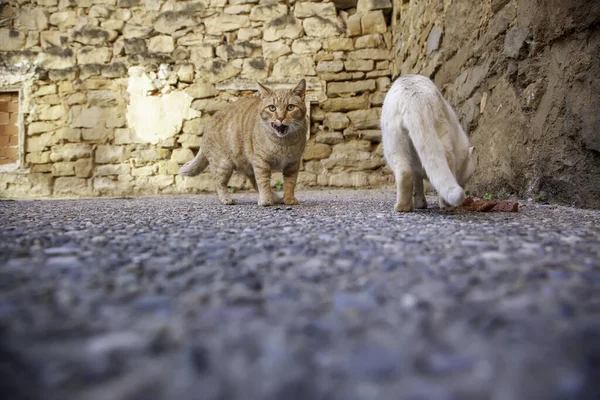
{"x": 9, "y": 129}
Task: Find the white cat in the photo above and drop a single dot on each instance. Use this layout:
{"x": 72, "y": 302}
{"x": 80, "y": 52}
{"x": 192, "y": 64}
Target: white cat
{"x": 423, "y": 139}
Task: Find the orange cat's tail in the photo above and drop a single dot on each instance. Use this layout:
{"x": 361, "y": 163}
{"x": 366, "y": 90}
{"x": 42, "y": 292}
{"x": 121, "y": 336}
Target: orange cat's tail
{"x": 194, "y": 167}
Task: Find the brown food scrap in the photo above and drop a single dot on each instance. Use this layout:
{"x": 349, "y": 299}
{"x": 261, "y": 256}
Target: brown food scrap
{"x": 491, "y": 205}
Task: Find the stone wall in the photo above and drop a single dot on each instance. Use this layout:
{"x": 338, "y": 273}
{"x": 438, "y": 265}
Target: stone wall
{"x": 115, "y": 94}
{"x": 523, "y": 76}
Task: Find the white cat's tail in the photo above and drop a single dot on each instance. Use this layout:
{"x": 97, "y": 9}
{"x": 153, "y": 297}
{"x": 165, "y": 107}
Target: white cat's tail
{"x": 420, "y": 121}
{"x": 195, "y": 166}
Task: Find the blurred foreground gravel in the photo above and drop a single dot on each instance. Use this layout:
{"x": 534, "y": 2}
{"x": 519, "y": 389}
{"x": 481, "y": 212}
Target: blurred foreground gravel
{"x": 337, "y": 298}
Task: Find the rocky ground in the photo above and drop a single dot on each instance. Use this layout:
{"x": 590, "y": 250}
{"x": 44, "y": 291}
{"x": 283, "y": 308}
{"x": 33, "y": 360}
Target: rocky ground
{"x": 337, "y": 298}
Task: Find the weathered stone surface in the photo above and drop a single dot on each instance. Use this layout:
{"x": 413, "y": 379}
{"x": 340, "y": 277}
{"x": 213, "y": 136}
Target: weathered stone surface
{"x": 218, "y": 70}
{"x": 34, "y": 19}
{"x": 364, "y": 6}
{"x": 267, "y": 12}
{"x": 112, "y": 169}
{"x": 35, "y": 128}
{"x": 370, "y": 54}
{"x": 70, "y": 152}
{"x": 338, "y": 44}
{"x": 226, "y": 23}
{"x": 200, "y": 54}
{"x": 358, "y": 65}
{"x": 171, "y": 21}
{"x": 161, "y": 44}
{"x": 514, "y": 41}
{"x": 249, "y": 33}
{"x": 93, "y": 36}
{"x": 294, "y": 66}
{"x": 98, "y": 134}
{"x": 85, "y": 117}
{"x": 11, "y": 39}
{"x": 286, "y": 26}
{"x": 63, "y": 168}
{"x": 341, "y": 76}
{"x": 236, "y": 50}
{"x": 322, "y": 27}
{"x": 329, "y": 137}
{"x": 109, "y": 154}
{"x": 373, "y": 40}
{"x": 71, "y": 186}
{"x": 316, "y": 151}
{"x": 330, "y": 66}
{"x": 346, "y": 104}
{"x": 354, "y": 25}
{"x": 336, "y": 121}
{"x": 94, "y": 55}
{"x": 309, "y": 9}
{"x": 306, "y": 46}
{"x": 256, "y": 68}
{"x": 433, "y": 40}
{"x": 201, "y": 90}
{"x": 373, "y": 22}
{"x": 64, "y": 19}
{"x": 181, "y": 156}
{"x": 275, "y": 49}
{"x": 338, "y": 88}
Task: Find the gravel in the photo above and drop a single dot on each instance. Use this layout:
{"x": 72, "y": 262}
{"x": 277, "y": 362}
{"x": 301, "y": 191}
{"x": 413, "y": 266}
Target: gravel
{"x": 179, "y": 297}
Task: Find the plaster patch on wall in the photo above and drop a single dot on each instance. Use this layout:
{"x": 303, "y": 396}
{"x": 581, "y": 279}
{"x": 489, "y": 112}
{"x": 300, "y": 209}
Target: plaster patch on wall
{"x": 153, "y": 113}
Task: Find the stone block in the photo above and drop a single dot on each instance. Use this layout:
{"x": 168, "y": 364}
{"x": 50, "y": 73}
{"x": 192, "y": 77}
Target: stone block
{"x": 71, "y": 186}
{"x": 336, "y": 121}
{"x": 351, "y": 87}
{"x": 330, "y": 66}
{"x": 373, "y": 22}
{"x": 294, "y": 66}
{"x": 346, "y": 104}
{"x": 275, "y": 49}
{"x": 161, "y": 44}
{"x": 359, "y": 65}
{"x": 329, "y": 137}
{"x": 286, "y": 26}
{"x": 33, "y": 19}
{"x": 11, "y": 39}
{"x": 306, "y": 46}
{"x": 70, "y": 152}
{"x": 226, "y": 23}
{"x": 338, "y": 44}
{"x": 85, "y": 117}
{"x": 372, "y": 40}
{"x": 35, "y": 128}
{"x": 267, "y": 12}
{"x": 170, "y": 21}
{"x": 316, "y": 151}
{"x": 322, "y": 27}
{"x": 181, "y": 156}
{"x": 109, "y": 154}
{"x": 66, "y": 168}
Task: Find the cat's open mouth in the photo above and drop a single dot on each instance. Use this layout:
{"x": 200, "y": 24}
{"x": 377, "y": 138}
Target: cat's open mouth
{"x": 281, "y": 130}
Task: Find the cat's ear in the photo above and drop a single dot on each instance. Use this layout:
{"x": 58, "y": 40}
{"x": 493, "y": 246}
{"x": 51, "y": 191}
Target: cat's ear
{"x": 264, "y": 91}
{"x": 471, "y": 150}
{"x": 300, "y": 89}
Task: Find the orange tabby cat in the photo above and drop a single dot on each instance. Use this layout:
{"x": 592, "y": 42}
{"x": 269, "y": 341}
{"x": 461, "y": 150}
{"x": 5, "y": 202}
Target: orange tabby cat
{"x": 255, "y": 136}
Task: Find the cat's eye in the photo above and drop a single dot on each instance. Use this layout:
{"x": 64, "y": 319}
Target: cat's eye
{"x": 272, "y": 108}
{"x": 290, "y": 107}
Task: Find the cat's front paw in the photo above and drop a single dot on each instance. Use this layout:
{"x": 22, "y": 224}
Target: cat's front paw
{"x": 290, "y": 201}
{"x": 265, "y": 202}
{"x": 227, "y": 201}
{"x": 403, "y": 207}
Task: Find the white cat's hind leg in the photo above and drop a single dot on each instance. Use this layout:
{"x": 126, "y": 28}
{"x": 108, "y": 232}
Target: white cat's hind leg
{"x": 404, "y": 185}
{"x": 419, "y": 200}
